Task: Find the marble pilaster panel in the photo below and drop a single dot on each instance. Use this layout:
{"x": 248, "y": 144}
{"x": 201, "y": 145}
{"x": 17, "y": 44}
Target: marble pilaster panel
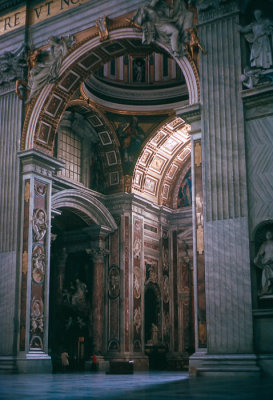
{"x": 226, "y": 245}
{"x": 10, "y": 122}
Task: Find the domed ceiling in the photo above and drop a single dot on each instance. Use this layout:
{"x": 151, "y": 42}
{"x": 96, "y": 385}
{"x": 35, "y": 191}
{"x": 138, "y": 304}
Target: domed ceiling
{"x": 135, "y": 95}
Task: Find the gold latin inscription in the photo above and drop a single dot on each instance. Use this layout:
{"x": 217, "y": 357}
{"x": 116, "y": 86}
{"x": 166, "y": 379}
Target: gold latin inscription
{"x": 37, "y": 13}
{"x": 12, "y": 21}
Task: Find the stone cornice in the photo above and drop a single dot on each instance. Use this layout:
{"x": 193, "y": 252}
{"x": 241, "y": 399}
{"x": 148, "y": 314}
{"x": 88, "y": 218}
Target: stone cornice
{"x": 211, "y": 10}
{"x": 34, "y": 161}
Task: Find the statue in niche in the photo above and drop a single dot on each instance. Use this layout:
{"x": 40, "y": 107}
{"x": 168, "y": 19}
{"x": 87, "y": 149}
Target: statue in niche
{"x": 38, "y": 264}
{"x": 139, "y": 70}
{"x": 259, "y": 34}
{"x": 169, "y": 25}
{"x": 39, "y": 225}
{"x": 46, "y": 65}
{"x": 155, "y": 334}
{"x": 264, "y": 261}
{"x": 79, "y": 296}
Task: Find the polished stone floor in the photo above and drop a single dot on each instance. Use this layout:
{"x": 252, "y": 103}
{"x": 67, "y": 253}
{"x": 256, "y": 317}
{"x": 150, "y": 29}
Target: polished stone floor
{"x": 140, "y": 386}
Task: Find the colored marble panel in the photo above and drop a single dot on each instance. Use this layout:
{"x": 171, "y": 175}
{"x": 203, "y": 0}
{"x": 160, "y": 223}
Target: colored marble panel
{"x": 54, "y": 106}
{"x": 175, "y": 297}
{"x": 69, "y": 81}
{"x": 126, "y": 281}
{"x": 24, "y": 266}
{"x": 137, "y": 255}
{"x": 89, "y": 61}
{"x": 44, "y": 133}
{"x": 201, "y": 294}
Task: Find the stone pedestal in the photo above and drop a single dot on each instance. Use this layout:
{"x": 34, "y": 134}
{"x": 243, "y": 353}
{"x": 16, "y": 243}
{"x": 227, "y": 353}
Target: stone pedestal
{"x": 37, "y": 169}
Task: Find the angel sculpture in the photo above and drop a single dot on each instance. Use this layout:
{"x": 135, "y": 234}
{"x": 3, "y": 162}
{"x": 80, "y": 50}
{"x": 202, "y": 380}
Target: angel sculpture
{"x": 48, "y": 68}
{"x": 170, "y": 25}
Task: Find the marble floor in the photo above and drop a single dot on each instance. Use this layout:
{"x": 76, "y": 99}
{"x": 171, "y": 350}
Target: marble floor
{"x": 140, "y": 386}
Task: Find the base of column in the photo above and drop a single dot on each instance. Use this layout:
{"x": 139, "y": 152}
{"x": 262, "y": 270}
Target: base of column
{"x": 34, "y": 363}
{"x": 176, "y": 362}
{"x": 8, "y": 365}
{"x": 265, "y": 361}
{"x": 223, "y": 364}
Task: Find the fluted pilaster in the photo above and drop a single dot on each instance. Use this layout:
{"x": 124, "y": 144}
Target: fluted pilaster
{"x": 228, "y": 286}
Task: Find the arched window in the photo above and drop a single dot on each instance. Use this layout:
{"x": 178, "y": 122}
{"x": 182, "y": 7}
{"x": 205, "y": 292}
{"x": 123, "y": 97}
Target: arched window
{"x": 69, "y": 149}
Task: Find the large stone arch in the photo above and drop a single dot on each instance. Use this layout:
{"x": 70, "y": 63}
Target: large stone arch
{"x": 86, "y": 206}
{"x": 44, "y": 113}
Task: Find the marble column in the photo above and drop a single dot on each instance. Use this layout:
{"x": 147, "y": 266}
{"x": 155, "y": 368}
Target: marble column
{"x": 37, "y": 170}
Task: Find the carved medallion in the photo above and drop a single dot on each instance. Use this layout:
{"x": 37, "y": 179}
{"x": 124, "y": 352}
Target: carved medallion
{"x": 38, "y": 264}
{"x": 39, "y": 225}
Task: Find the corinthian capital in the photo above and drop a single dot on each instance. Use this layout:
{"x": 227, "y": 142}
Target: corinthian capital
{"x": 98, "y": 254}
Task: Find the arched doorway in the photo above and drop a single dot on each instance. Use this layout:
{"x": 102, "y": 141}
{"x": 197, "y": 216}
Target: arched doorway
{"x": 77, "y": 281}
{"x": 138, "y": 235}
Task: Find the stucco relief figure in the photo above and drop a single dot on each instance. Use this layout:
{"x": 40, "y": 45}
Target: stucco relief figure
{"x": 137, "y": 292}
{"x": 38, "y": 264}
{"x": 79, "y": 296}
{"x": 137, "y": 319}
{"x": 166, "y": 323}
{"x": 137, "y": 248}
{"x": 47, "y": 70}
{"x": 114, "y": 282}
{"x": 169, "y": 25}
{"x": 37, "y": 323}
{"x": 166, "y": 296}
{"x": 264, "y": 261}
{"x": 39, "y": 225}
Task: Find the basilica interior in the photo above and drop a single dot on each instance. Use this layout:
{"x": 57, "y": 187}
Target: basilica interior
{"x": 136, "y": 186}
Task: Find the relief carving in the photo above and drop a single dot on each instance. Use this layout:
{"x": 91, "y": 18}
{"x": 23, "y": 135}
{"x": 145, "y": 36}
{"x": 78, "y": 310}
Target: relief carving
{"x": 38, "y": 264}
{"x": 39, "y": 225}
{"x": 114, "y": 281}
{"x": 137, "y": 282}
{"x": 137, "y": 319}
{"x": 166, "y": 295}
{"x": 37, "y": 318}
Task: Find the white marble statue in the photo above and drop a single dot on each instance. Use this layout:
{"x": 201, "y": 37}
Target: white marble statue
{"x": 47, "y": 71}
{"x": 264, "y": 261}
{"x": 260, "y": 36}
{"x": 169, "y": 25}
